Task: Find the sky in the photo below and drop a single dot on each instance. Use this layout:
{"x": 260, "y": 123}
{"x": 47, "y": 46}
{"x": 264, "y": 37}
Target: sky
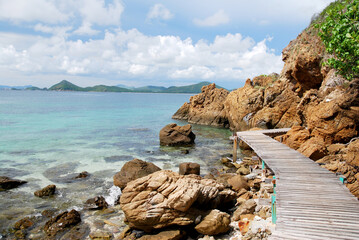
{"x": 146, "y": 42}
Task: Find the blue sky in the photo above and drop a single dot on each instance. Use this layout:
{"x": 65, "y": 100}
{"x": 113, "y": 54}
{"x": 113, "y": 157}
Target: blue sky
{"x": 147, "y": 42}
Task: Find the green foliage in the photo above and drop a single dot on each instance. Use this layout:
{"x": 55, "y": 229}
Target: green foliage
{"x": 339, "y": 31}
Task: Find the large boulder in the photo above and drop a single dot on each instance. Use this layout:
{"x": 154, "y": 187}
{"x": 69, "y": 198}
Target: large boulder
{"x": 9, "y": 183}
{"x": 174, "y": 135}
{"x": 214, "y": 223}
{"x": 205, "y": 108}
{"x": 165, "y": 198}
{"x": 132, "y": 170}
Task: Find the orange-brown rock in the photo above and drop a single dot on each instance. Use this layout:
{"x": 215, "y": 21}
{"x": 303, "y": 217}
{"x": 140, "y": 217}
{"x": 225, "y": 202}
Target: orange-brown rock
{"x": 352, "y": 154}
{"x": 214, "y": 223}
{"x": 242, "y": 104}
{"x": 165, "y": 198}
{"x": 302, "y": 60}
{"x": 314, "y": 148}
{"x": 264, "y": 80}
{"x": 205, "y": 108}
{"x": 295, "y": 137}
{"x": 174, "y": 135}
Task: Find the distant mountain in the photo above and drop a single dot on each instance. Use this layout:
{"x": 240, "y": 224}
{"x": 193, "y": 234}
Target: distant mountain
{"x": 65, "y": 85}
{"x": 194, "y": 88}
{"x": 154, "y": 89}
{"x": 4, "y": 87}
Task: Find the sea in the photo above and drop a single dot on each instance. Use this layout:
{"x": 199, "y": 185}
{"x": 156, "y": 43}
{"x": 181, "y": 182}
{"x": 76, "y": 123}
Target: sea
{"x": 48, "y": 137}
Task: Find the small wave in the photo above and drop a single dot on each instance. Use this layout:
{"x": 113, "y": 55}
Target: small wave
{"x": 114, "y": 193}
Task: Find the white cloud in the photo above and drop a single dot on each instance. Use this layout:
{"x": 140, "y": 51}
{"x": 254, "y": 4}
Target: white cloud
{"x": 124, "y": 54}
{"x": 29, "y": 11}
{"x": 86, "y": 29}
{"x": 218, "y": 18}
{"x": 159, "y": 11}
{"x": 96, "y": 12}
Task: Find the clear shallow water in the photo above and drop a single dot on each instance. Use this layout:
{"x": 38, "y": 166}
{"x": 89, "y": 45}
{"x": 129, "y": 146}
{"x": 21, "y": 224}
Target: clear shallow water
{"x": 48, "y": 137}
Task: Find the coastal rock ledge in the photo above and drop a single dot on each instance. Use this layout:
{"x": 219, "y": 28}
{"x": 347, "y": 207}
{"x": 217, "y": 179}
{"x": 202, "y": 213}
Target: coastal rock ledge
{"x": 165, "y": 198}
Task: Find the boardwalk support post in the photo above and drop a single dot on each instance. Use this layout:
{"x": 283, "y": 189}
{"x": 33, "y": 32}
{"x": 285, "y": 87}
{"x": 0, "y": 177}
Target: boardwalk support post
{"x": 235, "y": 138}
{"x": 274, "y": 209}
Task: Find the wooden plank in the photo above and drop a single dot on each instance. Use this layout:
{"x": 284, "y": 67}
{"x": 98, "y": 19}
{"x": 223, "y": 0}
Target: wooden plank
{"x": 311, "y": 201}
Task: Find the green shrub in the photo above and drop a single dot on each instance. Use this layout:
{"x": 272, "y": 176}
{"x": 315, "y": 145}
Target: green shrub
{"x": 339, "y": 31}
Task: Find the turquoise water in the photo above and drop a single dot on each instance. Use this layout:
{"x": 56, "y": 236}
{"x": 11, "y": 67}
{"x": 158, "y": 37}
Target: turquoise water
{"x": 48, "y": 137}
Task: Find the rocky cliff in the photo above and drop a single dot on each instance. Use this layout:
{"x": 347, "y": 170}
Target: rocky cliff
{"x": 320, "y": 105}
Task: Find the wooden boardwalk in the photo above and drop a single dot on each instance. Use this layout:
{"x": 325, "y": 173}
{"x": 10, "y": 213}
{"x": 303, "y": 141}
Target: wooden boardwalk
{"x": 311, "y": 202}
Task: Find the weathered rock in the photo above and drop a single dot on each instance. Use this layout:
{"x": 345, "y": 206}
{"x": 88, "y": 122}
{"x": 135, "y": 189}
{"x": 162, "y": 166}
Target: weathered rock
{"x": 24, "y": 223}
{"x": 352, "y": 155}
{"x": 242, "y": 170}
{"x": 214, "y": 223}
{"x": 165, "y": 198}
{"x": 173, "y": 135}
{"x": 132, "y": 170}
{"x": 61, "y": 222}
{"x": 241, "y": 105}
{"x": 247, "y": 207}
{"x": 189, "y": 168}
{"x": 302, "y": 60}
{"x": 238, "y": 182}
{"x": 264, "y": 80}
{"x": 8, "y": 183}
{"x": 165, "y": 235}
{"x": 96, "y": 203}
{"x": 205, "y": 108}
{"x": 295, "y": 137}
{"x": 313, "y": 148}
{"x": 46, "y": 191}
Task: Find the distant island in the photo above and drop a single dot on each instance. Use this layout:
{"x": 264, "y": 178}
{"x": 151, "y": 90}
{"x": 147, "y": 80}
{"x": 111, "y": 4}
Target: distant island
{"x": 65, "y": 85}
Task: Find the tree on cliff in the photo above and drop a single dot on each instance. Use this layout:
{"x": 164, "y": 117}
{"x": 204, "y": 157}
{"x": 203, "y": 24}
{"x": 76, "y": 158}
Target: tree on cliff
{"x": 339, "y": 32}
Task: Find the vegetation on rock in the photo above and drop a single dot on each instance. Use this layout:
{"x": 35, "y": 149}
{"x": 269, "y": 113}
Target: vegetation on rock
{"x": 339, "y": 31}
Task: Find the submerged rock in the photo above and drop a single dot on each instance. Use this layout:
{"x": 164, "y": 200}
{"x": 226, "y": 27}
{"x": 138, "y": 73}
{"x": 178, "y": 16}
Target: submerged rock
{"x": 62, "y": 222}
{"x": 165, "y": 198}
{"x": 173, "y": 135}
{"x": 132, "y": 170}
{"x": 46, "y": 191}
{"x": 7, "y": 183}
{"x": 96, "y": 203}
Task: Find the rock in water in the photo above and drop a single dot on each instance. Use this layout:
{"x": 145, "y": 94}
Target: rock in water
{"x": 214, "y": 223}
{"x": 8, "y": 183}
{"x": 173, "y": 135}
{"x": 61, "y": 222}
{"x": 46, "y": 191}
{"x": 165, "y": 198}
{"x": 96, "y": 203}
{"x": 132, "y": 170}
{"x": 189, "y": 168}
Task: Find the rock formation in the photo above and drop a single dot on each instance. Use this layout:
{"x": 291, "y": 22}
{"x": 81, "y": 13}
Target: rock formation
{"x": 173, "y": 135}
{"x": 62, "y": 222}
{"x": 46, "y": 191}
{"x": 9, "y": 183}
{"x": 165, "y": 198}
{"x": 132, "y": 170}
{"x": 205, "y": 108}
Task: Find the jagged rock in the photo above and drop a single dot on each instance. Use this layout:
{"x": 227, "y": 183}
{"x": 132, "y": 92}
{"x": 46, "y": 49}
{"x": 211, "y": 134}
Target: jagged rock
{"x": 96, "y": 203}
{"x": 61, "y": 222}
{"x": 189, "y": 168}
{"x": 241, "y": 104}
{"x": 8, "y": 183}
{"x": 46, "y": 191}
{"x": 265, "y": 81}
{"x": 247, "y": 207}
{"x": 313, "y": 148}
{"x": 295, "y": 137}
{"x": 214, "y": 223}
{"x": 302, "y": 60}
{"x": 165, "y": 198}
{"x": 101, "y": 236}
{"x": 24, "y": 223}
{"x": 205, "y": 108}
{"x": 238, "y": 182}
{"x": 132, "y": 170}
{"x": 173, "y": 135}
{"x": 352, "y": 154}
